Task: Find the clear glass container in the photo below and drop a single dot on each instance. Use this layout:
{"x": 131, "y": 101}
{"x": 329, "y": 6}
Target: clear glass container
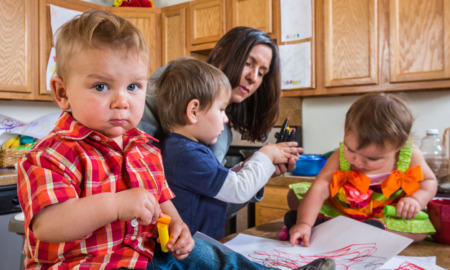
{"x": 434, "y": 152}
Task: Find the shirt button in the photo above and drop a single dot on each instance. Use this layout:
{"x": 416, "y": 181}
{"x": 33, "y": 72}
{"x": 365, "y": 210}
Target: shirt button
{"x": 97, "y": 138}
{"x": 134, "y": 223}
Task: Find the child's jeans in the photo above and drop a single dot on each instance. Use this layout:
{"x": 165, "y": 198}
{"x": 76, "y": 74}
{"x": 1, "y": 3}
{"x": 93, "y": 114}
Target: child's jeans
{"x": 205, "y": 255}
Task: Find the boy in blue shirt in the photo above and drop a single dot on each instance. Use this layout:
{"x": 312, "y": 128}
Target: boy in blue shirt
{"x": 191, "y": 97}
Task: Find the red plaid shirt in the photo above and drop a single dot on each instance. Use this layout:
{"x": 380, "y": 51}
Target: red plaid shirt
{"x": 74, "y": 162}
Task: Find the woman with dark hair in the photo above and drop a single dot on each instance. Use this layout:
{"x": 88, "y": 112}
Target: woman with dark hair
{"x": 250, "y": 60}
{"x": 254, "y": 110}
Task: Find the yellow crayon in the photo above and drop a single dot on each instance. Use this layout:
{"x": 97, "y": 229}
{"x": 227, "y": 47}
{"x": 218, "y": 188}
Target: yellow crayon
{"x": 163, "y": 231}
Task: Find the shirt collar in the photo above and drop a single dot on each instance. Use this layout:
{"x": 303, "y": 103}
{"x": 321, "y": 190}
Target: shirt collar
{"x": 69, "y": 128}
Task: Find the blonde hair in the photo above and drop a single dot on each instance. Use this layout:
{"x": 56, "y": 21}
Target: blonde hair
{"x": 379, "y": 118}
{"x": 183, "y": 80}
{"x": 97, "y": 29}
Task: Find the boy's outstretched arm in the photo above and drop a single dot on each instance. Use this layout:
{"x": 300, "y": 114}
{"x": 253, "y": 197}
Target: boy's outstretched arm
{"x": 181, "y": 242}
{"x": 77, "y": 217}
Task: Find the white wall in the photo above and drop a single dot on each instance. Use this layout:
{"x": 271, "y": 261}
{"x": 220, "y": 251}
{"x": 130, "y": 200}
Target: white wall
{"x": 323, "y": 118}
{"x": 26, "y": 111}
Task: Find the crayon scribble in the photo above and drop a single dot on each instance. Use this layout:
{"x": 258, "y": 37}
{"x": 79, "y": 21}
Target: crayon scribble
{"x": 356, "y": 256}
{"x": 409, "y": 266}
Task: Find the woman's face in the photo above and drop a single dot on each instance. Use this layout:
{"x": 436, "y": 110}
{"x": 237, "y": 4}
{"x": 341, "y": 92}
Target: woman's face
{"x": 256, "y": 67}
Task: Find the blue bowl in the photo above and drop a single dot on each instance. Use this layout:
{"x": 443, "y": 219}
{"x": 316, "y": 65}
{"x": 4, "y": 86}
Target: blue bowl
{"x": 309, "y": 165}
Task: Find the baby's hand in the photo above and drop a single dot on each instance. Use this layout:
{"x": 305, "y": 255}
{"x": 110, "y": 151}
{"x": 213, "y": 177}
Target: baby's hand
{"x": 139, "y": 204}
{"x": 181, "y": 242}
{"x": 408, "y": 208}
{"x": 281, "y": 152}
{"x": 299, "y": 233}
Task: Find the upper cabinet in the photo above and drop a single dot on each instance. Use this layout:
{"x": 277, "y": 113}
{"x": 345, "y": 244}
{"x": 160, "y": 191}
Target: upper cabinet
{"x": 254, "y": 13}
{"x": 351, "y": 42}
{"x": 18, "y": 49}
{"x": 173, "y": 32}
{"x": 146, "y": 20}
{"x": 419, "y": 40}
{"x": 380, "y": 45}
{"x": 206, "y": 21}
{"x": 26, "y": 41}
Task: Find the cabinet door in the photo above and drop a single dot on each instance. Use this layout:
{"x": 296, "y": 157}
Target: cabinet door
{"x": 146, "y": 20}
{"x": 206, "y": 21}
{"x": 18, "y": 49}
{"x": 173, "y": 32}
{"x": 350, "y": 41}
{"x": 253, "y": 13}
{"x": 272, "y": 206}
{"x": 419, "y": 40}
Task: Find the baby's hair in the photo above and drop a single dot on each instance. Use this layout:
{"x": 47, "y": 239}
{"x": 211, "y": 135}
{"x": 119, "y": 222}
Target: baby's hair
{"x": 183, "y": 80}
{"x": 379, "y": 118}
{"x": 97, "y": 29}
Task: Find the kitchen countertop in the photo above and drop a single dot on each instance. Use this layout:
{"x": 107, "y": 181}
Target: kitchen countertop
{"x": 423, "y": 248}
{"x": 286, "y": 179}
{"x": 8, "y": 176}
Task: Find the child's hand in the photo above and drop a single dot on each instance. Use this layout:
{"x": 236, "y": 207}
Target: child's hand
{"x": 139, "y": 204}
{"x": 281, "y": 152}
{"x": 408, "y": 208}
{"x": 181, "y": 242}
{"x": 299, "y": 233}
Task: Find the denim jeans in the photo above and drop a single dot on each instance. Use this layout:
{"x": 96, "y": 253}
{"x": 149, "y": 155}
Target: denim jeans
{"x": 205, "y": 255}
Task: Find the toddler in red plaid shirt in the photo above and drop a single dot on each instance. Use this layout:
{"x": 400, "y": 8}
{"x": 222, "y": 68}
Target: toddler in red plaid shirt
{"x": 82, "y": 186}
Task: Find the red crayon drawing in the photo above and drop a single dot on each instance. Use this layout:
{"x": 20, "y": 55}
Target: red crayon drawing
{"x": 356, "y": 256}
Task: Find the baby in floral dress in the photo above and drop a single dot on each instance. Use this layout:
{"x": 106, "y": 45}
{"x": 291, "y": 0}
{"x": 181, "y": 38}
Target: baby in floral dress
{"x": 376, "y": 165}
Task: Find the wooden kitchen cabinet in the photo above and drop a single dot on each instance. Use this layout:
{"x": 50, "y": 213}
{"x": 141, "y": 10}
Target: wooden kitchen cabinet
{"x": 253, "y": 13}
{"x": 173, "y": 32}
{"x": 351, "y": 42}
{"x": 26, "y": 41}
{"x": 18, "y": 49}
{"x": 379, "y": 45}
{"x": 419, "y": 40}
{"x": 148, "y": 21}
{"x": 206, "y": 23}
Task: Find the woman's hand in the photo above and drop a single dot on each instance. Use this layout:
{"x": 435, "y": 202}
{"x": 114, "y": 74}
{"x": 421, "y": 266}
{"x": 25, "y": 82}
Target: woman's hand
{"x": 281, "y": 153}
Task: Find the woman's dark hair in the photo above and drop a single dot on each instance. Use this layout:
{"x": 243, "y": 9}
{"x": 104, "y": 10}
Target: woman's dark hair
{"x": 257, "y": 114}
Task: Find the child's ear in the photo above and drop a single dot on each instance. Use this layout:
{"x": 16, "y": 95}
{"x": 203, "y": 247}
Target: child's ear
{"x": 192, "y": 110}
{"x": 60, "y": 92}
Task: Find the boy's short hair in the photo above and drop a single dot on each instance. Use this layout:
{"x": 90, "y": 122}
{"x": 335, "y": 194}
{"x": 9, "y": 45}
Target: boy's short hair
{"x": 378, "y": 118}
{"x": 183, "y": 80}
{"x": 97, "y": 29}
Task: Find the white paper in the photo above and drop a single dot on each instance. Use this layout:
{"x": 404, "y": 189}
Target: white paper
{"x": 38, "y": 128}
{"x": 7, "y": 123}
{"x": 296, "y": 19}
{"x": 350, "y": 243}
{"x": 407, "y": 262}
{"x": 51, "y": 66}
{"x": 59, "y": 16}
{"x": 295, "y": 65}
